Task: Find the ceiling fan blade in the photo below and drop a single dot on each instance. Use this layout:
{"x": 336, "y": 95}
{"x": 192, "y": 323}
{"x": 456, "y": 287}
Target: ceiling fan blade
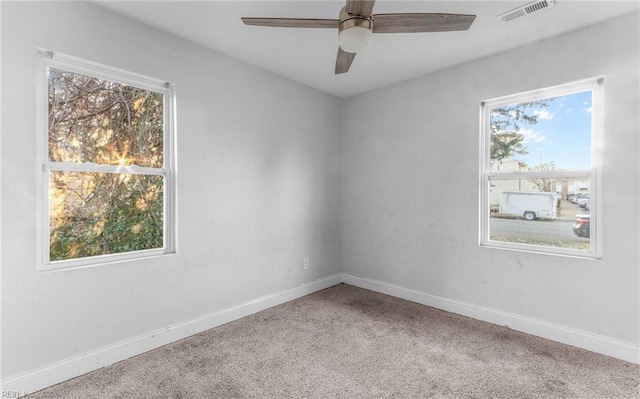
{"x": 360, "y": 7}
{"x": 292, "y": 22}
{"x": 421, "y": 22}
{"x": 343, "y": 61}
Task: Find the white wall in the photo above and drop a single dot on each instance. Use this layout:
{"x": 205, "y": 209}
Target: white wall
{"x": 259, "y": 189}
{"x": 404, "y": 228}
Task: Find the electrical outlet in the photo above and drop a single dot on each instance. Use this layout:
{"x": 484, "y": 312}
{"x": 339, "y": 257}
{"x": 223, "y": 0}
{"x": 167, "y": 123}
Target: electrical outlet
{"x": 305, "y": 263}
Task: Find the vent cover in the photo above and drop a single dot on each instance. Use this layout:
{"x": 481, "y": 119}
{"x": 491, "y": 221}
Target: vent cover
{"x": 526, "y": 10}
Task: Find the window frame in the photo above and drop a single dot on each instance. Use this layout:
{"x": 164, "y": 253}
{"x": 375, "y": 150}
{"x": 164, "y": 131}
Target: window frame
{"x": 594, "y": 174}
{"x": 47, "y": 59}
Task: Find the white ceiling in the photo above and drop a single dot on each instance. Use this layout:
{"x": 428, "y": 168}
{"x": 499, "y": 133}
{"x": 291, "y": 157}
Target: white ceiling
{"x": 308, "y": 55}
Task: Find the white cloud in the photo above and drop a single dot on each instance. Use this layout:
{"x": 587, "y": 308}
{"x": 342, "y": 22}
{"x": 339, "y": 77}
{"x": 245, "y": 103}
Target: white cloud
{"x": 531, "y": 136}
{"x": 587, "y": 110}
{"x": 543, "y": 114}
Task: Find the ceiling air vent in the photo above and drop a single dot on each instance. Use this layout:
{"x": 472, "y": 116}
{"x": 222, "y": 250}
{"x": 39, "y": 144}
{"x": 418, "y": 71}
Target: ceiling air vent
{"x": 525, "y": 10}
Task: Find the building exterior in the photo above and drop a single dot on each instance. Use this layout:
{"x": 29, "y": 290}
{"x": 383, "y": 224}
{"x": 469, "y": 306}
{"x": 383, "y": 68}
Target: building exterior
{"x": 561, "y": 187}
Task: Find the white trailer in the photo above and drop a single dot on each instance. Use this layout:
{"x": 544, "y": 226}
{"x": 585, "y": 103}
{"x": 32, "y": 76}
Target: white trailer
{"x": 529, "y": 204}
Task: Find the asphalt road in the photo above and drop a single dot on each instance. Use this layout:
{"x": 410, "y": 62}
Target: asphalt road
{"x": 535, "y": 229}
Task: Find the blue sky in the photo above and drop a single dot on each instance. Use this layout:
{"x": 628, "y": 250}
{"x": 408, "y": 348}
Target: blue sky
{"x": 562, "y": 134}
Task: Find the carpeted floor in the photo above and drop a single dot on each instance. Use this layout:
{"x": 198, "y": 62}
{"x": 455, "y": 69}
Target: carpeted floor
{"x": 346, "y": 342}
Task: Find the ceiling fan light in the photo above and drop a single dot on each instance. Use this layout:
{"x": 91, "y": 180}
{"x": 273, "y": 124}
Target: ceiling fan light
{"x": 355, "y": 39}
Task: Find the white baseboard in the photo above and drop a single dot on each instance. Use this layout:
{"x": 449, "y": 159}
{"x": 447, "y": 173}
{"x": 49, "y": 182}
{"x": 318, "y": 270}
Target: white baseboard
{"x": 581, "y": 339}
{"x": 63, "y": 370}
{"x": 75, "y": 366}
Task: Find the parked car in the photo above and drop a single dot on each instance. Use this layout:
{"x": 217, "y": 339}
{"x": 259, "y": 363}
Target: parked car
{"x": 581, "y": 228}
{"x": 577, "y": 197}
{"x": 569, "y": 196}
{"x": 582, "y": 202}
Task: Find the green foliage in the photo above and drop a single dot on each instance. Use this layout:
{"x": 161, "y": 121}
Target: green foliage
{"x": 506, "y": 139}
{"x": 130, "y": 220}
{"x": 98, "y": 121}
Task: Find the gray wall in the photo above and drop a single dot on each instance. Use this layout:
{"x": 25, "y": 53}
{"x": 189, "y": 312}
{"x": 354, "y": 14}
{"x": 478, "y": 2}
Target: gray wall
{"x": 259, "y": 189}
{"x": 411, "y": 181}
{"x": 262, "y": 184}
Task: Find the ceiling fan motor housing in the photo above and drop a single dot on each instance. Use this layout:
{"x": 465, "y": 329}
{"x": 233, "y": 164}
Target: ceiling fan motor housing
{"x": 354, "y": 31}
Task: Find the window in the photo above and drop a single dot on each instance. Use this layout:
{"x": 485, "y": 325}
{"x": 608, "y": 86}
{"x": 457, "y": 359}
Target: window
{"x": 108, "y": 172}
{"x": 540, "y": 170}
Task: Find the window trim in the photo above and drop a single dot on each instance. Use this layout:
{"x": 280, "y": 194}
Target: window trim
{"x": 65, "y": 62}
{"x": 594, "y": 174}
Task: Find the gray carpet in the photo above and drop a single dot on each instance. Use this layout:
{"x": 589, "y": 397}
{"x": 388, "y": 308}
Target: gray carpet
{"x": 346, "y": 342}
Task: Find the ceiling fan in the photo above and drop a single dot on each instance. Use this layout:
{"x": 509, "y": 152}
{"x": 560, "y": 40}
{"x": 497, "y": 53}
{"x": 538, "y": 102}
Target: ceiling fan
{"x": 357, "y": 24}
